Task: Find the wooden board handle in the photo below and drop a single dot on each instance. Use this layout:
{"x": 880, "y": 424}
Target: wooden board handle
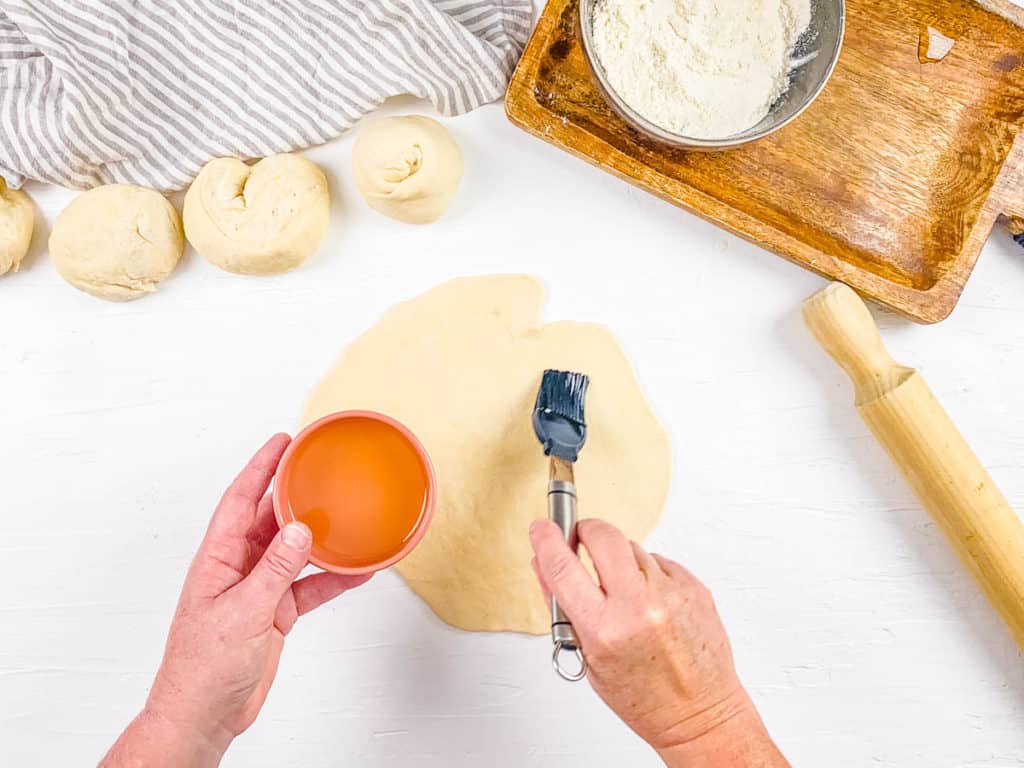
{"x": 1013, "y": 206}
{"x": 933, "y": 456}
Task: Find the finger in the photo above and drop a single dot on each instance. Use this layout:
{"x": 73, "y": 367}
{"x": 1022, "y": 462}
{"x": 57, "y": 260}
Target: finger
{"x": 271, "y": 578}
{"x": 564, "y": 574}
{"x": 285, "y": 615}
{"x": 265, "y": 528}
{"x": 261, "y": 534}
{"x": 540, "y": 579}
{"x": 225, "y": 554}
{"x": 648, "y": 565}
{"x": 674, "y": 570}
{"x": 313, "y": 591}
{"x": 612, "y": 554}
{"x": 236, "y": 512}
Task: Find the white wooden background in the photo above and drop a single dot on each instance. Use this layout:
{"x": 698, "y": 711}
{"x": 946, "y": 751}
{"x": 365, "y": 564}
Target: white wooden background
{"x": 861, "y": 637}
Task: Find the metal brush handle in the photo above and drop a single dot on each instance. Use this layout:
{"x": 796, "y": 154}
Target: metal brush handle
{"x": 562, "y": 511}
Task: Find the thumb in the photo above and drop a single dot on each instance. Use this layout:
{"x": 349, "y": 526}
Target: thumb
{"x": 273, "y": 575}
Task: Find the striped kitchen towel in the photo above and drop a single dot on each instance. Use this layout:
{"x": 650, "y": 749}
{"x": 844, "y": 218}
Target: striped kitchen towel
{"x": 146, "y": 91}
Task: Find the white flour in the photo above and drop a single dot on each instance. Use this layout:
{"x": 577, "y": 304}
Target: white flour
{"x": 701, "y": 68}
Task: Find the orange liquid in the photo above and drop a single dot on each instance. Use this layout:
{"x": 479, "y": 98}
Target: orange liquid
{"x": 360, "y": 486}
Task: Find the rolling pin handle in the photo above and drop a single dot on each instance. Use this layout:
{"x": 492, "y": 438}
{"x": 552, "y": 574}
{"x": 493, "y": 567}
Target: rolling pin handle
{"x": 843, "y": 326}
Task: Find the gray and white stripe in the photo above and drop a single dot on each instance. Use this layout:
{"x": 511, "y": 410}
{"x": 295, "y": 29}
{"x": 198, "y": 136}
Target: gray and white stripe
{"x": 145, "y": 92}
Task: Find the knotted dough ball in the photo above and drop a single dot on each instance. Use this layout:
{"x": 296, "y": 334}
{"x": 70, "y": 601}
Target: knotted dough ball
{"x": 407, "y": 168}
{"x": 257, "y": 219}
{"x": 17, "y": 217}
{"x": 117, "y": 241}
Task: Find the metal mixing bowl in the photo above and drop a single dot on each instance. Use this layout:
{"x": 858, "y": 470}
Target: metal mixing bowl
{"x": 814, "y": 58}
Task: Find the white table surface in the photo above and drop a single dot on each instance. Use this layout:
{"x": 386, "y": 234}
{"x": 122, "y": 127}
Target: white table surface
{"x": 861, "y": 637}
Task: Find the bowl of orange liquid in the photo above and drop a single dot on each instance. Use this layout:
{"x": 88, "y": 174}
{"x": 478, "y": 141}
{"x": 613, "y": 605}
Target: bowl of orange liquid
{"x": 363, "y": 484}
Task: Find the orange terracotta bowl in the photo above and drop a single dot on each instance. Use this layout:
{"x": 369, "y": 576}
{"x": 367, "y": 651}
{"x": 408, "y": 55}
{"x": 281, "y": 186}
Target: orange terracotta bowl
{"x": 363, "y": 484}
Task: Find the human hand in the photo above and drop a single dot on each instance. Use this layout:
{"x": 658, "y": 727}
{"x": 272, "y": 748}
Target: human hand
{"x": 239, "y": 601}
{"x": 656, "y": 649}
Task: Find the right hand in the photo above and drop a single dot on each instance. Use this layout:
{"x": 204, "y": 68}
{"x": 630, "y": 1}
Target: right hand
{"x": 656, "y": 649}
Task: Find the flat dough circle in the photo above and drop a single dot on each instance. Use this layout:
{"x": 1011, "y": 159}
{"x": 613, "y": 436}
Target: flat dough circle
{"x": 257, "y": 219}
{"x": 407, "y": 167}
{"x": 460, "y": 366}
{"x": 117, "y": 241}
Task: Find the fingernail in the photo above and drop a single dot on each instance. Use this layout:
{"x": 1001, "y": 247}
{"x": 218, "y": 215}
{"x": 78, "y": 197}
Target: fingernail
{"x": 296, "y": 536}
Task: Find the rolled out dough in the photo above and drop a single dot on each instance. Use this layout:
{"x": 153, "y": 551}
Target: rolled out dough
{"x": 460, "y": 366}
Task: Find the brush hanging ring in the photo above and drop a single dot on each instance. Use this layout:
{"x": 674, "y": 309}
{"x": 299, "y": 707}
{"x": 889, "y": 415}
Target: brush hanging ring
{"x": 566, "y": 674}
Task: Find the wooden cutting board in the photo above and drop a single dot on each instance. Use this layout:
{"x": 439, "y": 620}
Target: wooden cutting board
{"x": 891, "y": 181}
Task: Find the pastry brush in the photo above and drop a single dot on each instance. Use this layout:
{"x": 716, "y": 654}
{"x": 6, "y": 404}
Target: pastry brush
{"x": 560, "y": 426}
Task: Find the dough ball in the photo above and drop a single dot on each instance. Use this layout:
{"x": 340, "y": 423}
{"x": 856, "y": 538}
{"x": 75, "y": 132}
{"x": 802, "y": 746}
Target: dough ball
{"x": 407, "y": 168}
{"x": 17, "y": 217}
{"x": 117, "y": 241}
{"x": 257, "y": 219}
{"x": 460, "y": 366}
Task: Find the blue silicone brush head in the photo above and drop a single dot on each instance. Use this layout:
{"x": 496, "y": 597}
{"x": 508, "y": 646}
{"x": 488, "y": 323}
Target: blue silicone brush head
{"x": 558, "y": 418}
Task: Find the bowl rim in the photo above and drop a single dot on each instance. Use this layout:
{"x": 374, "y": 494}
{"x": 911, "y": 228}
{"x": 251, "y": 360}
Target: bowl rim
{"x": 636, "y": 120}
{"x": 279, "y": 502}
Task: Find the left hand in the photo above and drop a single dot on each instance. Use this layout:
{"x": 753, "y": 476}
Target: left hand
{"x": 239, "y": 601}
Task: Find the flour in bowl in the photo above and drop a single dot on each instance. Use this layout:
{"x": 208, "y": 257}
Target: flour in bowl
{"x": 706, "y": 69}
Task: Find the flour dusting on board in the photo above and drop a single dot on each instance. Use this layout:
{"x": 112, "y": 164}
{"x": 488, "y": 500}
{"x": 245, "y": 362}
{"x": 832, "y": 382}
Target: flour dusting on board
{"x": 706, "y": 69}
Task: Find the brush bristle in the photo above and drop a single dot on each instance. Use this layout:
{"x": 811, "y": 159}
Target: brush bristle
{"x": 562, "y": 393}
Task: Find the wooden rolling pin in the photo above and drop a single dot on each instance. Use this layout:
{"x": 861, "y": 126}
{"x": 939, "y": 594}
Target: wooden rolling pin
{"x": 931, "y": 453}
